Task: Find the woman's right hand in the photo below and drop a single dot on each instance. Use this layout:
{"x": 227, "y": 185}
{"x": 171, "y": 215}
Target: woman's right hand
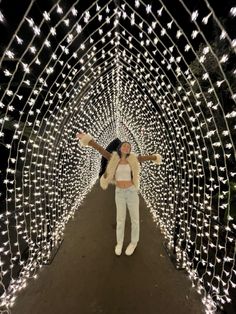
{"x": 79, "y": 136}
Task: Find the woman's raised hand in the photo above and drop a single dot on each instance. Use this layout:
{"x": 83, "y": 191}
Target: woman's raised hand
{"x": 84, "y": 138}
{"x": 79, "y": 136}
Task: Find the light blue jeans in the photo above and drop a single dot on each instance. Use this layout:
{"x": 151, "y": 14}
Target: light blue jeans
{"x": 127, "y": 196}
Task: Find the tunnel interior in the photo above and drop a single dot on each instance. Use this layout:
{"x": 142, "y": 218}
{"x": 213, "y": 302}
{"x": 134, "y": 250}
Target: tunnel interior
{"x": 159, "y": 74}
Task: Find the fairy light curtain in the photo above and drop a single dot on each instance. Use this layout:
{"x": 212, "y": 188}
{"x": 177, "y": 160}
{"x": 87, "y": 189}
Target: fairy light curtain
{"x": 148, "y": 73}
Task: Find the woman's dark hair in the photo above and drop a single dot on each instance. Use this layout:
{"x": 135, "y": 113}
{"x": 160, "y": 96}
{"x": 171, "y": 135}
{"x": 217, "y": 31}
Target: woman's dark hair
{"x": 118, "y": 149}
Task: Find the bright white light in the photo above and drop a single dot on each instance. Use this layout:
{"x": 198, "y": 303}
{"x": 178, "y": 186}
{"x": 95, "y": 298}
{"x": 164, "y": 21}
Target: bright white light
{"x": 139, "y": 77}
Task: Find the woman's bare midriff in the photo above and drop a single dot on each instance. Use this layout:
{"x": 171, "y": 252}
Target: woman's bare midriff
{"x": 124, "y": 184}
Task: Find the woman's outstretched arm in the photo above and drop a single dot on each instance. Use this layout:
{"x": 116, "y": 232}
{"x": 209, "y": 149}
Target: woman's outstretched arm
{"x": 156, "y": 158}
{"x": 87, "y": 140}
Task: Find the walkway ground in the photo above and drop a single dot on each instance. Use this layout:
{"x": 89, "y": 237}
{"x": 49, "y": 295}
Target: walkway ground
{"x": 86, "y": 276}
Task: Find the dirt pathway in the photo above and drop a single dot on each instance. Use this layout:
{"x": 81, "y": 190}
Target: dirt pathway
{"x": 87, "y": 277}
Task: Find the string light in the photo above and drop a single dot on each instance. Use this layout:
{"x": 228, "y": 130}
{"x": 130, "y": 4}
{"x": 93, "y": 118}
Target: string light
{"x": 118, "y": 82}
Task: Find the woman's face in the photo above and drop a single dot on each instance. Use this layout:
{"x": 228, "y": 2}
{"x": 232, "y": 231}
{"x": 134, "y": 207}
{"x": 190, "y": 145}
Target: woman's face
{"x": 125, "y": 148}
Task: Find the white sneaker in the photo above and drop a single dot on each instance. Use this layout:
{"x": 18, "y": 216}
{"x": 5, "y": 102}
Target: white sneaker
{"x": 130, "y": 249}
{"x": 118, "y": 249}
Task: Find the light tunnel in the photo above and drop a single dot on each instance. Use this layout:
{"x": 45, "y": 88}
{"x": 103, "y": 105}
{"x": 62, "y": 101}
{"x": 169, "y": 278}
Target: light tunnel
{"x": 159, "y": 74}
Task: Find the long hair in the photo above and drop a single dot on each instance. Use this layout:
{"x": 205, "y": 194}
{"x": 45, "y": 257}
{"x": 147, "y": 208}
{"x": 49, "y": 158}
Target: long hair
{"x": 118, "y": 149}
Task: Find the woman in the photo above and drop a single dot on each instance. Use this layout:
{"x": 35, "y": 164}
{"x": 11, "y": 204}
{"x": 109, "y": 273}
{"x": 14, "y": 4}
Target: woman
{"x": 123, "y": 169}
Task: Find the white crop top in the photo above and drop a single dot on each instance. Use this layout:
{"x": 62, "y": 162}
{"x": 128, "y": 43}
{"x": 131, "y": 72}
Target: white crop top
{"x": 123, "y": 172}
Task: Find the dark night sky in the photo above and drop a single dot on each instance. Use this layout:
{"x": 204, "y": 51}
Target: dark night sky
{"x": 13, "y": 10}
